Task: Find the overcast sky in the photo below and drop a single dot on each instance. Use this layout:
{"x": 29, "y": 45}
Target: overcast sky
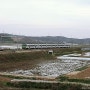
{"x": 69, "y": 18}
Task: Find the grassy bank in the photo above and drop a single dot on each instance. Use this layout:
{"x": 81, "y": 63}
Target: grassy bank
{"x": 50, "y": 86}
{"x": 63, "y": 84}
{"x": 63, "y": 51}
{"x": 25, "y": 60}
{"x": 28, "y": 60}
{"x": 15, "y": 57}
{"x": 64, "y": 78}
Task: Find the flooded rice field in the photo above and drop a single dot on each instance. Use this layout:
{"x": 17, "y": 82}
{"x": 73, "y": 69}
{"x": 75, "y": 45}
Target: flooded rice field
{"x": 54, "y": 68}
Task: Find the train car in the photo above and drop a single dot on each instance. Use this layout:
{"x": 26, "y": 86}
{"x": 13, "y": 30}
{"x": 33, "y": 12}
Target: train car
{"x": 43, "y": 46}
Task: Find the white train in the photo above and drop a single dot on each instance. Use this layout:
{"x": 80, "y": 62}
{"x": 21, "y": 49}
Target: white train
{"x": 43, "y": 46}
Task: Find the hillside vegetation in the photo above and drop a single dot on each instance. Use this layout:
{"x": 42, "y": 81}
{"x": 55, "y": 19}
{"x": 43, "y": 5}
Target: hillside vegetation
{"x": 42, "y": 39}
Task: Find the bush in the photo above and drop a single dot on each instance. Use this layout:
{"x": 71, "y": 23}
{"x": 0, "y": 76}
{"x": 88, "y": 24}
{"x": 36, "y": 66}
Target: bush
{"x": 63, "y": 78}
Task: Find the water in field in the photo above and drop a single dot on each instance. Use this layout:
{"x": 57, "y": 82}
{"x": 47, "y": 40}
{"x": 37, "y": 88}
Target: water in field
{"x": 10, "y": 46}
{"x": 54, "y": 68}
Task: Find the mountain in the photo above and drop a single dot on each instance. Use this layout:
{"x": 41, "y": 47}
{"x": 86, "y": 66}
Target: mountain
{"x": 54, "y": 39}
{"x": 61, "y": 39}
{"x": 45, "y": 39}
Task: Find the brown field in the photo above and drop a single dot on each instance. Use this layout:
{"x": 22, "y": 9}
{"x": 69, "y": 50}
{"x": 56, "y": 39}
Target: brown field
{"x": 24, "y": 60}
{"x": 10, "y": 61}
{"x": 28, "y": 60}
{"x": 84, "y": 74}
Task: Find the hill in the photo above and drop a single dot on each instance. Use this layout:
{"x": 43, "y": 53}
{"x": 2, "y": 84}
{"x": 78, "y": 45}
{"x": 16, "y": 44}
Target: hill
{"x": 55, "y": 39}
{"x": 43, "y": 39}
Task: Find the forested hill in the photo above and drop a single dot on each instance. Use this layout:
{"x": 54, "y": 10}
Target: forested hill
{"x": 55, "y": 39}
{"x": 44, "y": 39}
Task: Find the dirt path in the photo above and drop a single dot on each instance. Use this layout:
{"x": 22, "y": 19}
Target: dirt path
{"x": 27, "y": 76}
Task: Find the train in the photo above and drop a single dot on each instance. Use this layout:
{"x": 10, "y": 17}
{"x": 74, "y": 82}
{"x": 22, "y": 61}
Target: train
{"x": 44, "y": 46}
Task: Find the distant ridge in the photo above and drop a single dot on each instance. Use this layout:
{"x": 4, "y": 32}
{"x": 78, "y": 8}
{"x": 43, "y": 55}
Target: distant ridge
{"x": 42, "y": 39}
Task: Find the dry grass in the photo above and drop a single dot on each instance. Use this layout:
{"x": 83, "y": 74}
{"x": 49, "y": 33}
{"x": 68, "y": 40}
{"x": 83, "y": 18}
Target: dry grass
{"x": 26, "y": 60}
{"x": 4, "y": 79}
{"x": 81, "y": 75}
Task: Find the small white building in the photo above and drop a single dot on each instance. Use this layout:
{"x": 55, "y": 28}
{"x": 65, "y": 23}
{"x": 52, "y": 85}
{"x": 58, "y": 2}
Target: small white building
{"x": 50, "y": 52}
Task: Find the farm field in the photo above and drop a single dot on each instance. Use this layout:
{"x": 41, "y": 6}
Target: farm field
{"x": 43, "y": 65}
{"x": 53, "y": 68}
{"x": 84, "y": 74}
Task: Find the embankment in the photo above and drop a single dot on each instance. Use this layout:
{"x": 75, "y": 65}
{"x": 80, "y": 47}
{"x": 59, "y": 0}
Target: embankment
{"x": 28, "y": 60}
{"x": 51, "y": 85}
{"x": 25, "y": 60}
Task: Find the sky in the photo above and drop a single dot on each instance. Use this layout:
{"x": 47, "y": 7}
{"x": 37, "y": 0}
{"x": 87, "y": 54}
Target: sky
{"x": 69, "y": 18}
